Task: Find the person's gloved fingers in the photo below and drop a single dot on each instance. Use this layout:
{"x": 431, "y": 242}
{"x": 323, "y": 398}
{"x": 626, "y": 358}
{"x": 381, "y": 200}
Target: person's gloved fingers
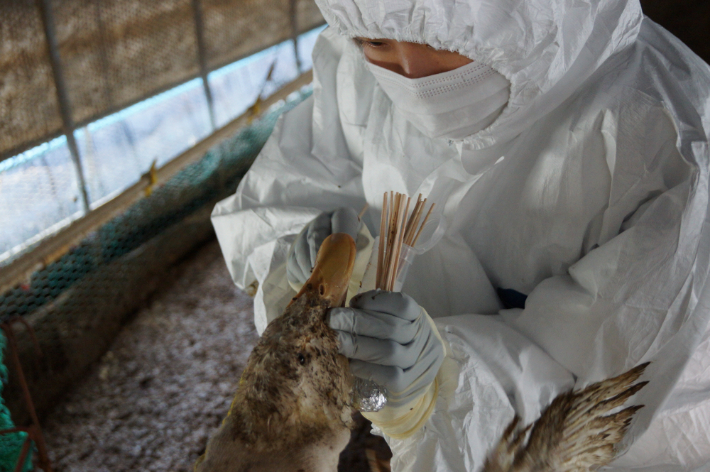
{"x": 302, "y": 254}
{"x": 318, "y": 230}
{"x": 391, "y": 377}
{"x": 378, "y": 351}
{"x": 345, "y": 220}
{"x": 399, "y": 382}
{"x": 373, "y": 324}
{"x": 417, "y": 384}
{"x": 422, "y": 373}
{"x": 294, "y": 271}
{"x": 395, "y": 303}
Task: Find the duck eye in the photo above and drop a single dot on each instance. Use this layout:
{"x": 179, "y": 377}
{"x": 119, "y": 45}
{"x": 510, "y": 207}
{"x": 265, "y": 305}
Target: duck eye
{"x": 301, "y": 359}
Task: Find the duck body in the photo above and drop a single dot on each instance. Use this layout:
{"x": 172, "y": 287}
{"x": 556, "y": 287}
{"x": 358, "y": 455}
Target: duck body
{"x": 292, "y": 409}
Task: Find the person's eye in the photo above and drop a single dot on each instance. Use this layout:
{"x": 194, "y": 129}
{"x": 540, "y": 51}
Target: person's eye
{"x": 370, "y": 43}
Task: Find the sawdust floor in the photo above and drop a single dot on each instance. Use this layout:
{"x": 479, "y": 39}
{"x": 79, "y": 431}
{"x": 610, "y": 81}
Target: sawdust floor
{"x": 167, "y": 381}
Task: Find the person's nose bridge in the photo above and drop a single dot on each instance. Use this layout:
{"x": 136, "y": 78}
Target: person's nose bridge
{"x": 411, "y": 60}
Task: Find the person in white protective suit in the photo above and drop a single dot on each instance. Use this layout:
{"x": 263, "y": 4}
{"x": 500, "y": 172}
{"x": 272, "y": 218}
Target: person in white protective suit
{"x": 568, "y": 158}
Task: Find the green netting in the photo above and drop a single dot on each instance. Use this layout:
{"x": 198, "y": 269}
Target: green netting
{"x": 10, "y": 444}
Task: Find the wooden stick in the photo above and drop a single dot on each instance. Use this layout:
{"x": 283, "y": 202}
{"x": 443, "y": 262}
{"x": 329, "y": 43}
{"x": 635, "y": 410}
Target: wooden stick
{"x": 405, "y": 218}
{"x": 424, "y": 223}
{"x": 381, "y": 248}
{"x": 416, "y": 216}
{"x": 419, "y": 218}
{"x": 397, "y": 227}
{"x": 410, "y": 220}
{"x": 390, "y": 240}
{"x": 395, "y": 240}
{"x": 406, "y": 211}
{"x": 362, "y": 212}
{"x": 397, "y": 251}
{"x": 390, "y": 243}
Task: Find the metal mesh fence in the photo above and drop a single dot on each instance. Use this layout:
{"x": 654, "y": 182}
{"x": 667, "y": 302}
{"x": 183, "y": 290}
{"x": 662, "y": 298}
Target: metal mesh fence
{"x": 113, "y": 53}
{"x": 28, "y": 97}
{"x": 117, "y": 150}
{"x": 94, "y": 96}
{"x": 37, "y": 193}
{"x": 233, "y": 29}
{"x": 77, "y": 303}
{"x": 98, "y": 81}
{"x": 70, "y": 62}
{"x": 214, "y": 177}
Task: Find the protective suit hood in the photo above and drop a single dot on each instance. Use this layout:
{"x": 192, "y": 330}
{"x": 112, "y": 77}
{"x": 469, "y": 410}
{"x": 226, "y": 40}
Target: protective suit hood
{"x": 545, "y": 49}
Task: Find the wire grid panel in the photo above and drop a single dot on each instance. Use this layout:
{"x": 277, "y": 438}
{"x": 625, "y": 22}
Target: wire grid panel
{"x": 236, "y": 29}
{"x": 236, "y": 87}
{"x": 308, "y": 15}
{"x": 38, "y": 189}
{"x": 306, "y": 42}
{"x": 95, "y": 262}
{"x": 285, "y": 69}
{"x": 115, "y": 52}
{"x": 39, "y": 197}
{"x": 111, "y": 54}
{"x": 116, "y": 151}
{"x": 29, "y": 110}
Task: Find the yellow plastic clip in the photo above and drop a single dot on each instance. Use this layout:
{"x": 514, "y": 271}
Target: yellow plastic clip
{"x": 254, "y": 110}
{"x": 152, "y": 178}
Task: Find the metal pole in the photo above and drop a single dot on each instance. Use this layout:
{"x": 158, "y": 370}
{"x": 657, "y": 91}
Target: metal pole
{"x": 202, "y": 58}
{"x": 44, "y": 462}
{"x": 294, "y": 33}
{"x": 50, "y": 33}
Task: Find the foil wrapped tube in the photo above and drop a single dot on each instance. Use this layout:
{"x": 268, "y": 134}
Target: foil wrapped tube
{"x": 368, "y": 396}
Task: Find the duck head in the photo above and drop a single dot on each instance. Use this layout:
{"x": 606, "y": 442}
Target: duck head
{"x": 294, "y": 393}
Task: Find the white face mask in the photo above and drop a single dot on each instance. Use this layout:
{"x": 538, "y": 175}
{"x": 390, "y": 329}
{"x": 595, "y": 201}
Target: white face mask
{"x": 453, "y": 104}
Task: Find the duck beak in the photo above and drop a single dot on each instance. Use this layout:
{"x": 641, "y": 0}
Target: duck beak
{"x": 334, "y": 266}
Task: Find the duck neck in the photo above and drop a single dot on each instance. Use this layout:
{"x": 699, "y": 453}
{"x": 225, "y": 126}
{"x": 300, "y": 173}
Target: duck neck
{"x": 318, "y": 455}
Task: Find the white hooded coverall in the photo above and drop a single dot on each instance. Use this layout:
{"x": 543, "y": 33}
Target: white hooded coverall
{"x": 589, "y": 194}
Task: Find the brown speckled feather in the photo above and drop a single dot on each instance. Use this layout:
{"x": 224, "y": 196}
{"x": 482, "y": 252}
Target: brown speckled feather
{"x": 576, "y": 433}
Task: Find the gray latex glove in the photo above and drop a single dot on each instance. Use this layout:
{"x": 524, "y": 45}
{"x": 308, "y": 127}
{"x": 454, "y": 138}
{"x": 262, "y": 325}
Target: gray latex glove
{"x": 389, "y": 340}
{"x": 303, "y": 251}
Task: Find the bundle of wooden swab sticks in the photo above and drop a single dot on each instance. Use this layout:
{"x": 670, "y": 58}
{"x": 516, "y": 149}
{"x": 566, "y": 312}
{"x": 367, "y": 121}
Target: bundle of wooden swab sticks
{"x": 398, "y": 229}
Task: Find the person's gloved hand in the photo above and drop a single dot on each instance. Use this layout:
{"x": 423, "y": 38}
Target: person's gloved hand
{"x": 303, "y": 252}
{"x": 390, "y": 340}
